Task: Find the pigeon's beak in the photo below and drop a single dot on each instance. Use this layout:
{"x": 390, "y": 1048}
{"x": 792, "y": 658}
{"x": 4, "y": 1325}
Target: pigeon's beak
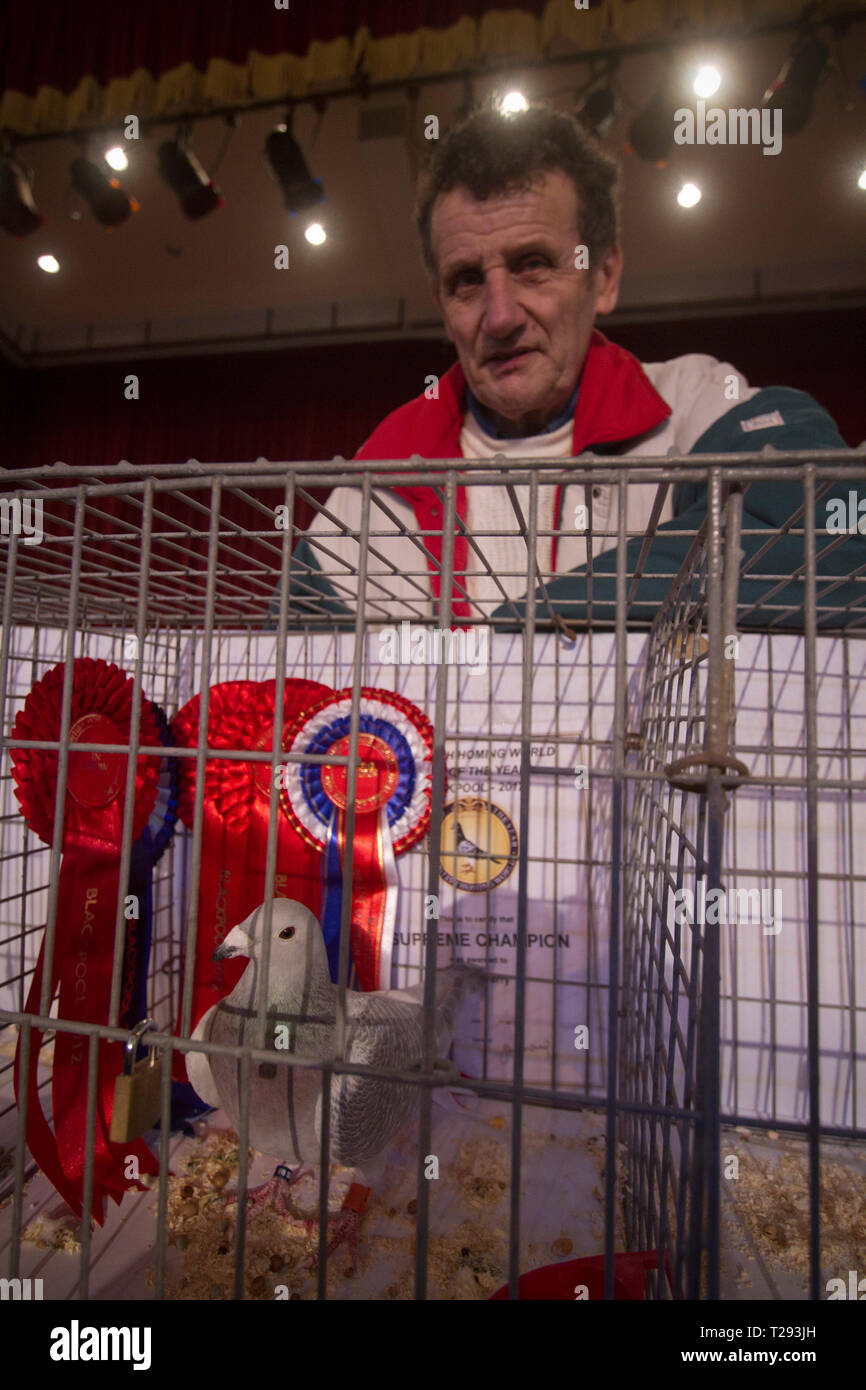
{"x": 236, "y": 943}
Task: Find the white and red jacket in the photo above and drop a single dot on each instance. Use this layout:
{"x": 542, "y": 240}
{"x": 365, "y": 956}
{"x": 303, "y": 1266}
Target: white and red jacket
{"x": 692, "y": 403}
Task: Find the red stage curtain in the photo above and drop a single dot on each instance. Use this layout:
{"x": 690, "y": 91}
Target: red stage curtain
{"x": 315, "y": 402}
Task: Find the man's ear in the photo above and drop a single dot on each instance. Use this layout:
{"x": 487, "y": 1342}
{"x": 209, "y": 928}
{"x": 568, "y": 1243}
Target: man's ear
{"x": 607, "y": 278}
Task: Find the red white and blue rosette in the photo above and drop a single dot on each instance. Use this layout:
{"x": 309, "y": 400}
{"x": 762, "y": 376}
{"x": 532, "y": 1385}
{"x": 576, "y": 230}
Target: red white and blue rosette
{"x": 392, "y": 813}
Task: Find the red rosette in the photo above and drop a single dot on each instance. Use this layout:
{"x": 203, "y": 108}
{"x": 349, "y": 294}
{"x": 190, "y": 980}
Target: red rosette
{"x": 235, "y": 825}
{"x": 240, "y": 715}
{"x": 88, "y": 889}
{"x": 100, "y": 713}
{"x": 391, "y": 796}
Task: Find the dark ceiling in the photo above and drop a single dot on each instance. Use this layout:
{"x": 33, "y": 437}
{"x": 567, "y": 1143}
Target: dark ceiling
{"x": 784, "y": 229}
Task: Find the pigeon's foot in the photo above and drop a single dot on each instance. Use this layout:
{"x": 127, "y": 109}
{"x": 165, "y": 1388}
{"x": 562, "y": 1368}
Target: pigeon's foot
{"x": 274, "y": 1192}
{"x": 345, "y": 1226}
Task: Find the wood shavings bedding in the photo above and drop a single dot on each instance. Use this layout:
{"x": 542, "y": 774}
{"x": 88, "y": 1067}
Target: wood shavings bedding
{"x": 61, "y": 1231}
{"x": 201, "y": 1228}
{"x": 482, "y": 1169}
{"x": 469, "y": 1263}
{"x": 771, "y": 1200}
{"x": 468, "y": 1242}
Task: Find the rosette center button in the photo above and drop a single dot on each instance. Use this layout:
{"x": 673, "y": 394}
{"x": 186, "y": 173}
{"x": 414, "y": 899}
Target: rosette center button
{"x": 95, "y": 779}
{"x": 378, "y": 774}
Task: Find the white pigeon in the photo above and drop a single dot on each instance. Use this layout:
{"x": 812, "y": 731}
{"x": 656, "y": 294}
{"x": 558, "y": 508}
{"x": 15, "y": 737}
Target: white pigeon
{"x": 384, "y": 1028}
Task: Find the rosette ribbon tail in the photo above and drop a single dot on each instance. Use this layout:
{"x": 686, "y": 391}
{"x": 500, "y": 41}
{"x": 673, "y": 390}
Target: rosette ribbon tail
{"x": 374, "y": 898}
{"x": 88, "y": 889}
{"x": 237, "y": 798}
{"x": 89, "y": 885}
{"x": 221, "y": 899}
{"x": 146, "y": 853}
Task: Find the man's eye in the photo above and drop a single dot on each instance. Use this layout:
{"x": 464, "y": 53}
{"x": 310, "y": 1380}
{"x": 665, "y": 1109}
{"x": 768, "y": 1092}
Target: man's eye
{"x": 534, "y": 263}
{"x": 464, "y": 278}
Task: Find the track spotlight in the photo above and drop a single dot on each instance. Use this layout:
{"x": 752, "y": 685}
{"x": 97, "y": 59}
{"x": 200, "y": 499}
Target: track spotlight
{"x": 598, "y": 110}
{"x": 196, "y": 191}
{"x": 108, "y": 202}
{"x": 19, "y": 215}
{"x": 793, "y": 91}
{"x": 300, "y": 190}
{"x": 651, "y": 133}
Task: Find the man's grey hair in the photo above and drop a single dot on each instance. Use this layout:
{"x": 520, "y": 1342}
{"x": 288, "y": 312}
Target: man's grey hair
{"x": 490, "y": 153}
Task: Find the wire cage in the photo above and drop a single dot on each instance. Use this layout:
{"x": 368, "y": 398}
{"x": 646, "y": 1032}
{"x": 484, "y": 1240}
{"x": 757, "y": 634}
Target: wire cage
{"x": 648, "y": 1097}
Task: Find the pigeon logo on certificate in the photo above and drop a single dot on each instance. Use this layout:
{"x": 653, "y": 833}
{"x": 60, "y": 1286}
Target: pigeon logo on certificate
{"x": 479, "y": 845}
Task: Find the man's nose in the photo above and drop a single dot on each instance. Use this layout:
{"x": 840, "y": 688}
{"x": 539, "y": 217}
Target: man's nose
{"x": 502, "y": 314}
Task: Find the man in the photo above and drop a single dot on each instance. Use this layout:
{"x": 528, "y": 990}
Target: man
{"x": 517, "y": 217}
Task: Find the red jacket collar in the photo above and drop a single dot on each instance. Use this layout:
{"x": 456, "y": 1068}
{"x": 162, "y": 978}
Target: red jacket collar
{"x": 616, "y": 402}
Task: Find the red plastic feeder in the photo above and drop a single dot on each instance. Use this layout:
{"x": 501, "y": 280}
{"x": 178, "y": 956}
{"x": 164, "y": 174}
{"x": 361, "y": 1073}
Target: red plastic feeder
{"x": 564, "y": 1279}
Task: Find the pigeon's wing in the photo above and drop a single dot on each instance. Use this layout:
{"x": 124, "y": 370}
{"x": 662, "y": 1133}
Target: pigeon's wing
{"x": 386, "y": 1029}
{"x": 453, "y": 983}
{"x": 368, "y": 1111}
{"x": 198, "y": 1067}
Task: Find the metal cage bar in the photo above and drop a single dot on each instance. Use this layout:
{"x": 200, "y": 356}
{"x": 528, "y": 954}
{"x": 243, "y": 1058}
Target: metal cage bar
{"x": 188, "y": 562}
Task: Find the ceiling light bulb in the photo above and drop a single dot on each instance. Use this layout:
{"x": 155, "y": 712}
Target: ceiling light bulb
{"x": 116, "y": 157}
{"x": 707, "y": 81}
{"x": 49, "y": 263}
{"x": 688, "y": 195}
{"x": 513, "y": 102}
{"x": 315, "y": 234}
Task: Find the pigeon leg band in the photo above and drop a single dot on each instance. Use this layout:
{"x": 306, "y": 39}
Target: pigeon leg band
{"x": 356, "y": 1198}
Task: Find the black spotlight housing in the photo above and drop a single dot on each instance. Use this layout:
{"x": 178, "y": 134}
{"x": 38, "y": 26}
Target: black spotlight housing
{"x": 598, "y": 111}
{"x": 108, "y": 202}
{"x": 300, "y": 190}
{"x": 651, "y": 133}
{"x": 196, "y": 191}
{"x": 793, "y": 91}
{"x": 19, "y": 215}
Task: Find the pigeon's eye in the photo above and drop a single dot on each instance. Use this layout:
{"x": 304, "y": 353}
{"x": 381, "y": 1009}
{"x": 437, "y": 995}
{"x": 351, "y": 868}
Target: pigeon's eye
{"x": 287, "y": 933}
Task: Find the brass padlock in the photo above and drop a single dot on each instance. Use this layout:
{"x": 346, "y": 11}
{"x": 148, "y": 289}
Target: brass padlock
{"x": 137, "y": 1091}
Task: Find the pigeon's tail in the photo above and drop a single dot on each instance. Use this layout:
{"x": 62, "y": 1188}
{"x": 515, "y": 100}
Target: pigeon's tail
{"x": 453, "y": 985}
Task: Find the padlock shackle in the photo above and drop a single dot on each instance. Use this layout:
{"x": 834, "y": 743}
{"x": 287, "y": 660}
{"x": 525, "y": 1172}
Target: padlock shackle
{"x": 132, "y": 1042}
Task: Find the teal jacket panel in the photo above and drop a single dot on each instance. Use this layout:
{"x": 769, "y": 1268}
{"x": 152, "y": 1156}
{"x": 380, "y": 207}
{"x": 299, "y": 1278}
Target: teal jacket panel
{"x": 796, "y": 421}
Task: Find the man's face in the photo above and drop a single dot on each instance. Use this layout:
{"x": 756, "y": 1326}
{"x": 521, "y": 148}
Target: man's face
{"x": 515, "y": 307}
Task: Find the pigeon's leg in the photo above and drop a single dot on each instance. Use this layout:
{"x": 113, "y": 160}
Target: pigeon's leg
{"x": 345, "y": 1225}
{"x": 274, "y": 1192}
